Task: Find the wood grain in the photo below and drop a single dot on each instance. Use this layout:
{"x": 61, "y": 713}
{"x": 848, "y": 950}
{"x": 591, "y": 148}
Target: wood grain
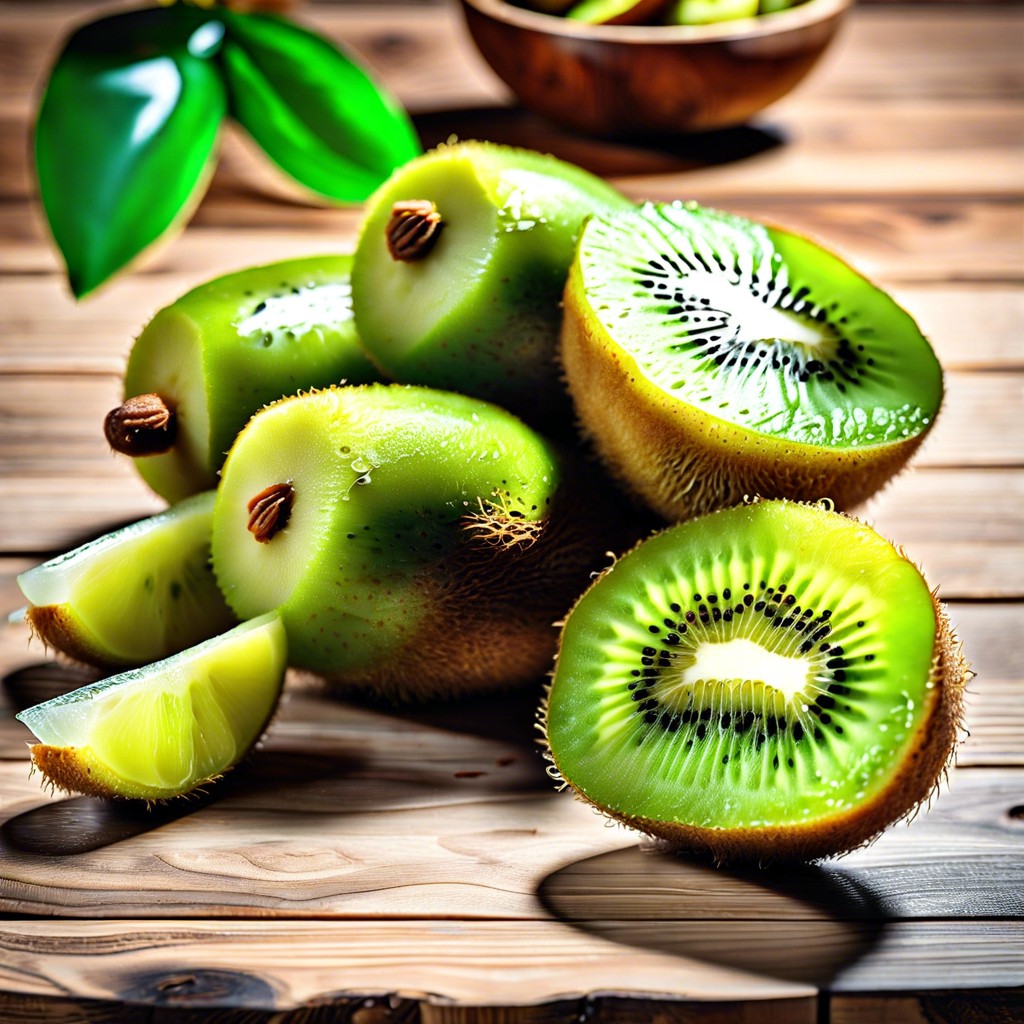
{"x": 372, "y": 865}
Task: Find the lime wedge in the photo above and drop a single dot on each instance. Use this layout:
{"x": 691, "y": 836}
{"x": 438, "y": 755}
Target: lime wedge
{"x": 167, "y": 729}
{"x": 134, "y": 596}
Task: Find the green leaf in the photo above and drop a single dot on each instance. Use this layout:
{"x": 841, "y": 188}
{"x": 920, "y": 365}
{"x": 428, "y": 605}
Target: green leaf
{"x": 126, "y": 134}
{"x": 314, "y": 111}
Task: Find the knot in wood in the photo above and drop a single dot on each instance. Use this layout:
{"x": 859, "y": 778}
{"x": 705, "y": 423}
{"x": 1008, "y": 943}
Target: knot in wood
{"x": 413, "y": 229}
{"x": 143, "y": 425}
{"x": 270, "y": 511}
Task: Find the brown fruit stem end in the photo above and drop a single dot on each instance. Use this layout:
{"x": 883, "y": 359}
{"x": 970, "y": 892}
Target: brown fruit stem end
{"x": 413, "y": 229}
{"x": 270, "y": 511}
{"x": 143, "y": 425}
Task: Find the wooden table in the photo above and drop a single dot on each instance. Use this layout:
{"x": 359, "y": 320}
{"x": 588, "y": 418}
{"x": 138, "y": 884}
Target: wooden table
{"x": 374, "y": 867}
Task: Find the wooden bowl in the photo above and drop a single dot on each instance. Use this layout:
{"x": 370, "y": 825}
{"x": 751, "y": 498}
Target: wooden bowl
{"x": 622, "y": 80}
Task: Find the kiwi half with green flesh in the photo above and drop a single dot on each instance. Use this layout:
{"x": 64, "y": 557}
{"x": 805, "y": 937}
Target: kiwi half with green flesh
{"x": 710, "y": 357}
{"x": 459, "y": 271}
{"x": 207, "y": 362}
{"x": 418, "y": 543}
{"x": 769, "y": 682}
{"x": 133, "y": 596}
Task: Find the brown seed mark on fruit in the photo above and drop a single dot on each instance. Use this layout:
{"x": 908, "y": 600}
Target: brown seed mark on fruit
{"x": 143, "y": 425}
{"x": 413, "y": 229}
{"x": 270, "y": 511}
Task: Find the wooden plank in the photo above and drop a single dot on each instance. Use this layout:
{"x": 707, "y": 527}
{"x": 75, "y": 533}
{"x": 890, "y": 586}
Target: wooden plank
{"x": 994, "y": 714}
{"x": 55, "y": 422}
{"x": 943, "y": 1007}
{"x": 348, "y": 811}
{"x": 46, "y": 331}
{"x": 281, "y": 965}
{"x": 912, "y": 241}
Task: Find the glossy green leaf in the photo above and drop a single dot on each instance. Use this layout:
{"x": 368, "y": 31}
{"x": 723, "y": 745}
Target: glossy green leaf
{"x": 312, "y": 109}
{"x": 126, "y": 134}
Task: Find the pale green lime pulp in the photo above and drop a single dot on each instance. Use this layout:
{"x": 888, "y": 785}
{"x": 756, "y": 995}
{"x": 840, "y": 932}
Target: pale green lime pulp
{"x": 758, "y": 327}
{"x": 161, "y": 730}
{"x": 141, "y": 593}
{"x": 764, "y": 665}
{"x": 383, "y": 479}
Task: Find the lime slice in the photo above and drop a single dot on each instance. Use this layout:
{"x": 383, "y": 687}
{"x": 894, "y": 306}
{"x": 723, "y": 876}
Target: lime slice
{"x": 167, "y": 729}
{"x": 134, "y": 596}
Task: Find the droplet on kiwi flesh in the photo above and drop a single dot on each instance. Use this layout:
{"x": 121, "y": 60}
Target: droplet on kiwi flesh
{"x": 770, "y": 682}
{"x": 712, "y": 357}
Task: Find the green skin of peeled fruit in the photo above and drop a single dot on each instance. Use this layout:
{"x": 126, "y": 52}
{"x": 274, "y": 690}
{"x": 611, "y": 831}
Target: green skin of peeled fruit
{"x": 383, "y": 477}
{"x": 480, "y": 313}
{"x": 230, "y": 346}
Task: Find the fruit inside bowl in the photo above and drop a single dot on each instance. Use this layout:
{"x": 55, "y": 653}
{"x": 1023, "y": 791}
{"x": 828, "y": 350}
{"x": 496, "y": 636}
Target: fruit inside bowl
{"x": 617, "y": 80}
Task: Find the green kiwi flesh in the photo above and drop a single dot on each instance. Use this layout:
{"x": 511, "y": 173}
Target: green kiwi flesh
{"x": 772, "y": 681}
{"x": 712, "y": 357}
{"x": 230, "y": 346}
{"x": 481, "y": 312}
{"x": 431, "y": 541}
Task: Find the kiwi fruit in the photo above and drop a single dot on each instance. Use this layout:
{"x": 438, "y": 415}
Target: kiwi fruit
{"x": 616, "y": 12}
{"x": 770, "y": 682}
{"x": 206, "y": 363}
{"x": 710, "y": 12}
{"x": 459, "y": 270}
{"x": 417, "y": 543}
{"x": 133, "y": 596}
{"x": 710, "y": 357}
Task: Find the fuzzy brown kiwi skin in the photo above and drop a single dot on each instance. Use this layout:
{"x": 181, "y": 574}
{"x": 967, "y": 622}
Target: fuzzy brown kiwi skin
{"x": 924, "y": 766}
{"x": 496, "y": 604}
{"x": 58, "y": 632}
{"x": 682, "y": 462}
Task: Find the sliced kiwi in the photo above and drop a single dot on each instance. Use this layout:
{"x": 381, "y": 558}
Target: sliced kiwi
{"x": 709, "y": 12}
{"x": 772, "y": 681}
{"x": 616, "y": 12}
{"x": 711, "y": 357}
{"x": 133, "y": 596}
{"x": 164, "y": 730}
{"x": 207, "y": 362}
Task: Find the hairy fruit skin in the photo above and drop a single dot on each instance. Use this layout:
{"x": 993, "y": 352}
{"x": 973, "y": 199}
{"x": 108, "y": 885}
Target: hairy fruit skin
{"x": 681, "y": 462}
{"x": 480, "y": 313}
{"x": 922, "y": 767}
{"x": 432, "y": 542}
{"x": 229, "y": 346}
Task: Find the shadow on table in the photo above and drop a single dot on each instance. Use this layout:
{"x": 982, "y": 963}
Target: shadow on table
{"x": 323, "y": 755}
{"x": 655, "y": 154}
{"x": 800, "y": 924}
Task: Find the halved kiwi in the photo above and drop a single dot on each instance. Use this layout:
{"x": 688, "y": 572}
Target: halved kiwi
{"x": 771, "y": 682}
{"x": 711, "y": 357}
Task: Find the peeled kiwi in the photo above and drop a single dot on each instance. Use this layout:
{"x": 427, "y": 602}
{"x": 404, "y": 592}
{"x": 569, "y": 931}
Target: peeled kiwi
{"x": 770, "y": 682}
{"x": 711, "y": 357}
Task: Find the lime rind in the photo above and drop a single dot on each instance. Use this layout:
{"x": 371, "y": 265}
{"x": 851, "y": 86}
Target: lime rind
{"x": 163, "y": 730}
